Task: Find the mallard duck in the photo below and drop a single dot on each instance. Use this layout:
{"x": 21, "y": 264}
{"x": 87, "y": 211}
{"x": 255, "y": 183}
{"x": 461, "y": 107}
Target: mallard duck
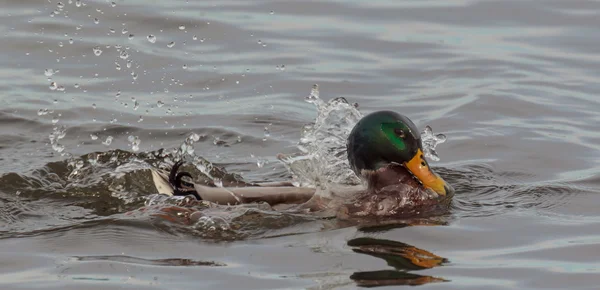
{"x": 384, "y": 148}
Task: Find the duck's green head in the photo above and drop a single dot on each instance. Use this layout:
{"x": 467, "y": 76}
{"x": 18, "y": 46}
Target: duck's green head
{"x": 382, "y": 138}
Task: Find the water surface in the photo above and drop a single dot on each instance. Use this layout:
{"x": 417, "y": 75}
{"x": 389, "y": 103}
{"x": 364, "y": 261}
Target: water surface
{"x": 513, "y": 84}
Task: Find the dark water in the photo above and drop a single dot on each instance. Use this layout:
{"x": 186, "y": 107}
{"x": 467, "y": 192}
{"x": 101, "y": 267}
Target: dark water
{"x": 513, "y": 84}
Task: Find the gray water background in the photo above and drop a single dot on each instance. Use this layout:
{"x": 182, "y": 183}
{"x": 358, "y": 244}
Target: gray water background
{"x": 513, "y": 84}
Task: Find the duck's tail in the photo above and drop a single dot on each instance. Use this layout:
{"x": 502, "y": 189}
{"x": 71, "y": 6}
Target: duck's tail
{"x": 173, "y": 184}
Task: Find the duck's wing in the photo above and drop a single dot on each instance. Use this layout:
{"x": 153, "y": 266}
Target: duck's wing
{"x": 170, "y": 183}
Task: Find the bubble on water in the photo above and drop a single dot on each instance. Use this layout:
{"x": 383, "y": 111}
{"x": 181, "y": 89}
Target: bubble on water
{"x": 53, "y": 86}
{"x": 42, "y": 112}
{"x": 60, "y": 5}
{"x": 272, "y": 12}
{"x": 134, "y": 142}
{"x": 108, "y": 141}
{"x": 70, "y": 40}
{"x": 94, "y": 136}
{"x": 151, "y": 38}
{"x": 113, "y": 4}
{"x": 194, "y": 37}
{"x": 113, "y": 120}
{"x": 141, "y": 119}
{"x": 160, "y": 104}
{"x": 117, "y": 66}
{"x": 131, "y": 36}
{"x": 184, "y": 66}
{"x": 181, "y": 27}
{"x": 171, "y": 44}
{"x": 55, "y": 119}
{"x": 96, "y": 20}
{"x": 136, "y": 105}
{"x": 49, "y": 72}
{"x": 97, "y": 51}
{"x": 124, "y": 31}
{"x": 111, "y": 30}
{"x": 60, "y": 88}
{"x": 76, "y": 85}
{"x": 94, "y": 106}
{"x": 78, "y": 3}
{"x": 124, "y": 54}
{"x": 430, "y": 141}
{"x": 118, "y": 94}
{"x": 129, "y": 63}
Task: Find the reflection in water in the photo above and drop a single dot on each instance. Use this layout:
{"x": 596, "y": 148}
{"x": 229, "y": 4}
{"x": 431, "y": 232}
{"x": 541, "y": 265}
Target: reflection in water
{"x": 401, "y": 256}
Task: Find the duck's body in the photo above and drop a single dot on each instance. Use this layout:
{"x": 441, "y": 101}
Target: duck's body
{"x": 384, "y": 149}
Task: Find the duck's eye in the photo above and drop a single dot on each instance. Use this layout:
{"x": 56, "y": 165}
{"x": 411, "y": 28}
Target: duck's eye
{"x": 399, "y": 132}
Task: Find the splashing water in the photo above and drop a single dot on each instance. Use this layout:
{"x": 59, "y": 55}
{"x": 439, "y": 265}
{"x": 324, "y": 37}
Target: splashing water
{"x": 323, "y": 145}
{"x": 323, "y": 161}
{"x": 430, "y": 141}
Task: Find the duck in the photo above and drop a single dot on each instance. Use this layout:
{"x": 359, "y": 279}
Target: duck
{"x": 384, "y": 149}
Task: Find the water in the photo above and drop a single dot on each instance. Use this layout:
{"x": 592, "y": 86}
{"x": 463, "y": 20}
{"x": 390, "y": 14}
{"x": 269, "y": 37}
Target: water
{"x": 512, "y": 84}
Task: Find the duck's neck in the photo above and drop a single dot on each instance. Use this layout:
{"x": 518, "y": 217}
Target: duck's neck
{"x": 389, "y": 175}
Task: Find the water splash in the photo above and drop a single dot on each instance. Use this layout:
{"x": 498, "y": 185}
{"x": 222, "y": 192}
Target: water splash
{"x": 322, "y": 160}
{"x": 430, "y": 141}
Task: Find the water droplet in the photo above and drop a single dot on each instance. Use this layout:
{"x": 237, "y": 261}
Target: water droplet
{"x": 194, "y": 37}
{"x": 49, "y": 72}
{"x": 96, "y": 21}
{"x": 272, "y": 12}
{"x": 55, "y": 119}
{"x": 97, "y": 51}
{"x": 181, "y": 27}
{"x": 160, "y": 104}
{"x": 124, "y": 54}
{"x": 430, "y": 141}
{"x": 70, "y": 40}
{"x": 152, "y": 38}
{"x": 184, "y": 66}
{"x": 94, "y": 136}
{"x": 53, "y": 86}
{"x": 78, "y": 3}
{"x": 140, "y": 119}
{"x": 117, "y": 66}
{"x": 171, "y": 44}
{"x": 108, "y": 141}
{"x": 134, "y": 142}
{"x": 131, "y": 36}
{"x": 113, "y": 4}
{"x": 136, "y": 105}
{"x": 76, "y": 86}
{"x": 94, "y": 106}
{"x": 124, "y": 31}
{"x": 267, "y": 134}
{"x": 113, "y": 120}
{"x": 314, "y": 94}
{"x": 60, "y": 5}
{"x": 42, "y": 112}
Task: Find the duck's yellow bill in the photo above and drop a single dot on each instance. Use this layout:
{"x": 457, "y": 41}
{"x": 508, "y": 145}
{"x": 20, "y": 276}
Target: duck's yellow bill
{"x": 418, "y": 167}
